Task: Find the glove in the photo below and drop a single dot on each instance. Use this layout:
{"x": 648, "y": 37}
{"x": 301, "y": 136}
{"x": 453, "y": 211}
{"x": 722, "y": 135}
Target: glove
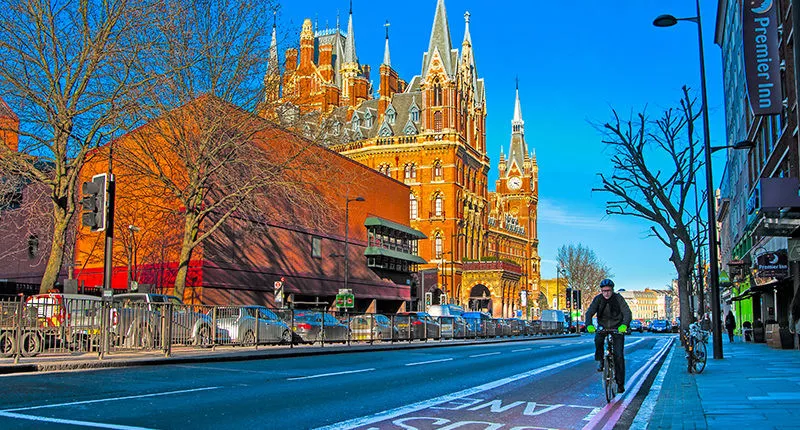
{"x": 622, "y": 329}
{"x": 590, "y": 328}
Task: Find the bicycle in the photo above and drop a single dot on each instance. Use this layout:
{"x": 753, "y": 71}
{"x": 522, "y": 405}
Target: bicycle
{"x": 696, "y": 356}
{"x": 609, "y": 376}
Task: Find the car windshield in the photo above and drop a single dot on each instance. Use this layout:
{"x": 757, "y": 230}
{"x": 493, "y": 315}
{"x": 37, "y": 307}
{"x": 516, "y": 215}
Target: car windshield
{"x": 267, "y": 314}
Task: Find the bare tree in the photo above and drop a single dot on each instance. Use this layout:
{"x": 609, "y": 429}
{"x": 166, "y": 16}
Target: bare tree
{"x": 204, "y": 147}
{"x": 67, "y": 74}
{"x": 654, "y": 167}
{"x": 583, "y": 270}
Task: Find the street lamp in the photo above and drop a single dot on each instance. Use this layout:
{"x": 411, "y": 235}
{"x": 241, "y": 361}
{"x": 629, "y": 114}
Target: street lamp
{"x": 559, "y": 271}
{"x": 346, "y": 235}
{"x": 133, "y": 250}
{"x": 453, "y": 266}
{"x": 668, "y": 21}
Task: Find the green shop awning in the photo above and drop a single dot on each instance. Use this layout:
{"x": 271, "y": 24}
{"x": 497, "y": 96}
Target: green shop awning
{"x": 375, "y": 252}
{"x": 373, "y": 221}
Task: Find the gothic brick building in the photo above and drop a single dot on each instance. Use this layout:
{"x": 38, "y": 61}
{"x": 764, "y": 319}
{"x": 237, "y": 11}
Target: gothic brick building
{"x": 430, "y": 133}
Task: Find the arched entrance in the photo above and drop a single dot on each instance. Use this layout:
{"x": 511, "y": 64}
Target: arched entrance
{"x": 480, "y": 299}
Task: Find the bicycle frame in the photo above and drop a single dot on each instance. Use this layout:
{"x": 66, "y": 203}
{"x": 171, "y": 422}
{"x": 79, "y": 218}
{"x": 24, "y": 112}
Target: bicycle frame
{"x": 609, "y": 377}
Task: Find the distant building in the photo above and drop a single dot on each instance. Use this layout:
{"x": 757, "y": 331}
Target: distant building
{"x": 649, "y": 304}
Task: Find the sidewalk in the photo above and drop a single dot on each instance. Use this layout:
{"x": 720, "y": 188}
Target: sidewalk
{"x": 754, "y": 385}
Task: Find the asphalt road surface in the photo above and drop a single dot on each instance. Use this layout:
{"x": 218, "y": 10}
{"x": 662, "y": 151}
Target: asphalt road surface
{"x": 515, "y": 385}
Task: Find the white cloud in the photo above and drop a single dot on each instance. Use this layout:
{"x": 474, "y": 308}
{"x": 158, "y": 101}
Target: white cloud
{"x": 550, "y": 212}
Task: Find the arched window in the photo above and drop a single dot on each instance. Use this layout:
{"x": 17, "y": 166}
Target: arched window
{"x": 407, "y": 174}
{"x": 437, "y": 93}
{"x": 413, "y": 207}
{"x": 413, "y": 171}
{"x": 438, "y": 205}
{"x": 437, "y": 122}
{"x": 438, "y": 245}
{"x": 414, "y": 114}
{"x": 33, "y": 246}
{"x": 437, "y": 170}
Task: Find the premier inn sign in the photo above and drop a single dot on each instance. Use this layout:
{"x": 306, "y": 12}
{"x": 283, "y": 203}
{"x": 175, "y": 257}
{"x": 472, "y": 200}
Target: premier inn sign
{"x": 761, "y": 58}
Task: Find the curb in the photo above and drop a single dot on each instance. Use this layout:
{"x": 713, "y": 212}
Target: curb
{"x": 111, "y": 362}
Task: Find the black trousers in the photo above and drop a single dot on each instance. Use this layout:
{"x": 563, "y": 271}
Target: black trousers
{"x": 619, "y": 354}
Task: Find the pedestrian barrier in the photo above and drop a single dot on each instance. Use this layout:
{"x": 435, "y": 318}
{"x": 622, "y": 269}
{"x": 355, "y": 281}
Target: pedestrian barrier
{"x": 56, "y": 323}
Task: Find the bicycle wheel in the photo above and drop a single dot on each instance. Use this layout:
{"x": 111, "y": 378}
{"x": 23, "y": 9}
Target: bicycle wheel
{"x": 699, "y": 357}
{"x": 609, "y": 382}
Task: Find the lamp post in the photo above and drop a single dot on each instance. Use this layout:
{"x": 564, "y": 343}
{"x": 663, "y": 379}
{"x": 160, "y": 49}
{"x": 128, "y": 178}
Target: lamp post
{"x": 346, "y": 235}
{"x": 668, "y": 21}
{"x": 453, "y": 254}
{"x": 133, "y": 250}
{"x": 559, "y": 271}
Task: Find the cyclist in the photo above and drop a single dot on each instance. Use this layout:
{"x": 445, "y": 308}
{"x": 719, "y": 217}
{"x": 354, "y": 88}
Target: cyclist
{"x": 612, "y": 313}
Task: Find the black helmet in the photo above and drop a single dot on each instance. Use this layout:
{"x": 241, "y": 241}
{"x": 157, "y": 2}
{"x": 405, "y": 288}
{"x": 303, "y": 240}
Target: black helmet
{"x": 606, "y": 283}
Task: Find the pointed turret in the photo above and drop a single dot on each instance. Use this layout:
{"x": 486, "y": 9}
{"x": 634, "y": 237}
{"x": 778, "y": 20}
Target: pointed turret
{"x": 387, "y": 60}
{"x": 350, "y": 44}
{"x": 467, "y": 38}
{"x": 440, "y": 41}
{"x": 518, "y": 151}
{"x": 272, "y": 77}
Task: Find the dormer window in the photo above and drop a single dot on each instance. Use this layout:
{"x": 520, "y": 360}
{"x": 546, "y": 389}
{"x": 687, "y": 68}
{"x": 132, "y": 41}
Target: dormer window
{"x": 391, "y": 115}
{"x": 368, "y": 120}
{"x": 355, "y": 122}
{"x": 337, "y": 128}
{"x": 414, "y": 112}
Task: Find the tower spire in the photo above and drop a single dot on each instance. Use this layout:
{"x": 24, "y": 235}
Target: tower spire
{"x": 440, "y": 40}
{"x": 467, "y": 37}
{"x": 350, "y": 47}
{"x": 386, "y": 57}
{"x": 517, "y": 124}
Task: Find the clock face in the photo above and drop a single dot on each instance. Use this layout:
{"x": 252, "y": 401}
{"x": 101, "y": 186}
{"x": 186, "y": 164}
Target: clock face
{"x": 514, "y": 183}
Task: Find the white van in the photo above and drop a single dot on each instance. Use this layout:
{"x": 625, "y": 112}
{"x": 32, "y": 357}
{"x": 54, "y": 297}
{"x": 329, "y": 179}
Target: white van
{"x": 554, "y": 321}
{"x": 446, "y": 316}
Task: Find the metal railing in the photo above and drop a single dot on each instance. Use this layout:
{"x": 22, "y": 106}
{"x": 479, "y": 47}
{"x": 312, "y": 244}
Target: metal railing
{"x": 58, "y": 324}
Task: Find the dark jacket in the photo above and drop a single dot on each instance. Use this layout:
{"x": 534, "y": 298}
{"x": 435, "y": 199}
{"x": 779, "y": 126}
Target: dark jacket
{"x": 730, "y": 321}
{"x": 610, "y": 313}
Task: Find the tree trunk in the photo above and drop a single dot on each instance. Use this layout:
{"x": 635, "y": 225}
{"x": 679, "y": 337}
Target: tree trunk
{"x": 189, "y": 236}
{"x": 61, "y": 222}
{"x": 684, "y": 293}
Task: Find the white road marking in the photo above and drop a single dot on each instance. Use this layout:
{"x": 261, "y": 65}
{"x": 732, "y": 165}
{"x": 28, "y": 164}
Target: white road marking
{"x": 520, "y": 350}
{"x": 484, "y": 355}
{"x": 111, "y": 399}
{"x": 382, "y": 416}
{"x": 648, "y": 405}
{"x": 428, "y": 362}
{"x": 548, "y": 346}
{"x": 72, "y": 422}
{"x": 322, "y": 375}
{"x": 225, "y": 369}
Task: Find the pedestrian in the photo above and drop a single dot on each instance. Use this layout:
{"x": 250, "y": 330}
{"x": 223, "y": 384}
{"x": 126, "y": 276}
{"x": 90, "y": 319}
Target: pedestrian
{"x": 730, "y": 324}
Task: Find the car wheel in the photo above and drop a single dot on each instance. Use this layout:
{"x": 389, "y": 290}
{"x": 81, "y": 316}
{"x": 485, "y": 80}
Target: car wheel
{"x": 203, "y": 337}
{"x": 249, "y": 338}
{"x": 286, "y": 337}
{"x": 7, "y": 344}
{"x": 31, "y": 344}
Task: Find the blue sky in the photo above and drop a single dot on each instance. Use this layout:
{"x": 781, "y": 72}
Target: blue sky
{"x": 574, "y": 65}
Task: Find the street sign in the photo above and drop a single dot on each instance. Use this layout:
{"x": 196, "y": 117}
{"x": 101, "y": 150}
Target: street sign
{"x": 345, "y": 298}
{"x": 278, "y": 287}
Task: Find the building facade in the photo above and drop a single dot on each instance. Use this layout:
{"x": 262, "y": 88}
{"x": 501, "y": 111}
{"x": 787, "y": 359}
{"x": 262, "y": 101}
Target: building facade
{"x": 752, "y": 232}
{"x": 429, "y": 133}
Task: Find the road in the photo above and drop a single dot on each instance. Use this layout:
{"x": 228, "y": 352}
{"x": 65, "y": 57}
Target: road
{"x": 528, "y": 384}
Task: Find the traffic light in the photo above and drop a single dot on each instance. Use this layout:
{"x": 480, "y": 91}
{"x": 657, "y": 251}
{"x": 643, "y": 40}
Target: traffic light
{"x": 576, "y": 298}
{"x": 94, "y": 203}
{"x": 569, "y": 298}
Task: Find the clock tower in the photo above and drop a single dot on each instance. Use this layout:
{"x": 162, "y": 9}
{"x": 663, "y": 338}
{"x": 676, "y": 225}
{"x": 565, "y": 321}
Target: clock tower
{"x": 514, "y": 204}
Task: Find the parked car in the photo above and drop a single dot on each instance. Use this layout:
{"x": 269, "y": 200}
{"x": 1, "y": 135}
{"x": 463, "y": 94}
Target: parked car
{"x": 660, "y": 326}
{"x": 315, "y": 326}
{"x": 636, "y": 325}
{"x": 240, "y": 324}
{"x": 139, "y": 321}
{"x": 481, "y": 323}
{"x": 416, "y": 325}
{"x": 462, "y": 328}
{"x": 372, "y": 327}
{"x": 59, "y": 320}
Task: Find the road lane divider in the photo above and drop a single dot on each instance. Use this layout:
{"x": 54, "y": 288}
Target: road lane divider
{"x": 69, "y": 422}
{"x": 322, "y": 375}
{"x": 414, "y": 407}
{"x": 648, "y": 405}
{"x": 111, "y": 399}
{"x": 520, "y": 350}
{"x": 484, "y": 355}
{"x": 429, "y": 362}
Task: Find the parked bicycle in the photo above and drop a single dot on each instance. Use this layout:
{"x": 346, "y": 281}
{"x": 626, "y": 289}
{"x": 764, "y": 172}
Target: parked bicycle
{"x": 696, "y": 355}
{"x": 609, "y": 376}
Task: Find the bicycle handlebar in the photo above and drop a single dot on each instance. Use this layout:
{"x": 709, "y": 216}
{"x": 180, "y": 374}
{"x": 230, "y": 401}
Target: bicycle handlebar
{"x": 611, "y": 331}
